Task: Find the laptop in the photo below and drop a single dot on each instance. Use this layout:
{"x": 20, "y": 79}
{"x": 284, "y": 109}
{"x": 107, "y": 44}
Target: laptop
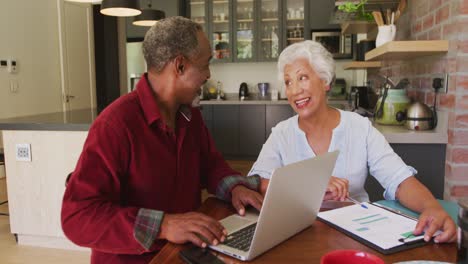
{"x": 291, "y": 204}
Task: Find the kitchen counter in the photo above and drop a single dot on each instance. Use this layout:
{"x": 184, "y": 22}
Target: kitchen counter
{"x": 77, "y": 120}
{"x": 80, "y": 120}
{"x": 401, "y": 135}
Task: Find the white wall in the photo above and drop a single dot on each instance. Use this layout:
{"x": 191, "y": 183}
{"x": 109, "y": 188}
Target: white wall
{"x": 29, "y": 34}
{"x": 233, "y": 74}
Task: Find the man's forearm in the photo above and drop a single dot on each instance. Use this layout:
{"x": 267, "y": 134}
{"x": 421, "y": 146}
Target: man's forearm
{"x": 228, "y": 183}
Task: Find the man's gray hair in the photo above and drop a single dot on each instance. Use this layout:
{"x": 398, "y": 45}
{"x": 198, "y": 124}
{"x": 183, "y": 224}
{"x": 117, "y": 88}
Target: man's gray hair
{"x": 318, "y": 57}
{"x": 169, "y": 38}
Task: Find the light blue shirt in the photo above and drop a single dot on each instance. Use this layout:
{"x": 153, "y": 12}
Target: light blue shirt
{"x": 362, "y": 148}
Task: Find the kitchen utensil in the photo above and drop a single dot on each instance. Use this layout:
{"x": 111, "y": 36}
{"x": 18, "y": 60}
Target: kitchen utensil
{"x": 392, "y": 102}
{"x": 420, "y": 117}
{"x": 397, "y": 15}
{"x": 378, "y": 18}
{"x": 243, "y": 91}
{"x": 263, "y": 89}
{"x": 401, "y": 6}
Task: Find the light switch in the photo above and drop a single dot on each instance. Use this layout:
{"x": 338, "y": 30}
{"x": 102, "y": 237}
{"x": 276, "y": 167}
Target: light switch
{"x": 12, "y": 66}
{"x": 14, "y": 86}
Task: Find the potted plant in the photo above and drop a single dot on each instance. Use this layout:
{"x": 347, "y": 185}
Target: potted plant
{"x": 357, "y": 9}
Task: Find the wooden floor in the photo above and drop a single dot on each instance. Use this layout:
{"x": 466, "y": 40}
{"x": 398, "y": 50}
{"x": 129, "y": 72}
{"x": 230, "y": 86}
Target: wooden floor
{"x": 11, "y": 253}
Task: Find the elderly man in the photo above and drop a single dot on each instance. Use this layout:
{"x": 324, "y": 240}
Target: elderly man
{"x": 148, "y": 155}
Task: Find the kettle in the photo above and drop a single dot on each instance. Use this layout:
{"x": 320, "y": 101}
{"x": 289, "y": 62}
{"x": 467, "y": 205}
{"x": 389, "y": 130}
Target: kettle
{"x": 243, "y": 91}
{"x": 419, "y": 117}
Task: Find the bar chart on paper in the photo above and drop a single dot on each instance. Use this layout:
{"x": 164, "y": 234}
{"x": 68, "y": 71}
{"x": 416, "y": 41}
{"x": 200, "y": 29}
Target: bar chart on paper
{"x": 374, "y": 224}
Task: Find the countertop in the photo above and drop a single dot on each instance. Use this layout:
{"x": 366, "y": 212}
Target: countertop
{"x": 80, "y": 120}
{"x": 77, "y": 120}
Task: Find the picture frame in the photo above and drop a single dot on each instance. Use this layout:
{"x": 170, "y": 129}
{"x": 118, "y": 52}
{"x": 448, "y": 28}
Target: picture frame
{"x": 341, "y": 46}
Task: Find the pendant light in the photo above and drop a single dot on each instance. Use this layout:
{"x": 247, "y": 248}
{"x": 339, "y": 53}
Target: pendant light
{"x": 120, "y": 8}
{"x": 148, "y": 16}
{"x": 86, "y": 1}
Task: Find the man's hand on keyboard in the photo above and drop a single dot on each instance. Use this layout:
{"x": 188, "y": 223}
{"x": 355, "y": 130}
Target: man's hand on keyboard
{"x": 194, "y": 227}
{"x": 243, "y": 196}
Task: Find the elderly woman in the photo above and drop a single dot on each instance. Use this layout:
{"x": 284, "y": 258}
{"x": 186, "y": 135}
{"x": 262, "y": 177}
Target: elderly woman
{"x": 307, "y": 70}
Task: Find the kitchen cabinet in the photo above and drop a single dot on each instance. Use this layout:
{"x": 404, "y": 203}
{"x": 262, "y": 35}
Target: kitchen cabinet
{"x": 215, "y": 17}
{"x": 269, "y": 42}
{"x": 226, "y": 129}
{"x": 427, "y": 159}
{"x": 276, "y": 114}
{"x": 250, "y": 30}
{"x": 320, "y": 12}
{"x": 207, "y": 114}
{"x": 251, "y": 130}
{"x": 241, "y": 131}
{"x": 245, "y": 30}
{"x": 295, "y": 21}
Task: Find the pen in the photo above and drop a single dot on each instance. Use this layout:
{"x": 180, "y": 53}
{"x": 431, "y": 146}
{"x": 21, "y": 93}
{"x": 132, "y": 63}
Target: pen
{"x": 357, "y": 202}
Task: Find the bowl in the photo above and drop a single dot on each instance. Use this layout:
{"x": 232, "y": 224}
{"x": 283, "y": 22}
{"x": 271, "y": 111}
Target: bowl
{"x": 350, "y": 257}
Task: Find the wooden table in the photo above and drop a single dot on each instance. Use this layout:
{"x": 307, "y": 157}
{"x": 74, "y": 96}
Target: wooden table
{"x": 309, "y": 245}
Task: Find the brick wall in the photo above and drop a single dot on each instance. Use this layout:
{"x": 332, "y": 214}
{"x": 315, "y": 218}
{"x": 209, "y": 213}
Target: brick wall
{"x": 434, "y": 20}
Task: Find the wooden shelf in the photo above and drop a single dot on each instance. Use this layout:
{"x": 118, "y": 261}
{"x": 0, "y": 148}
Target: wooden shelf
{"x": 244, "y": 20}
{"x": 402, "y": 50}
{"x": 269, "y": 19}
{"x": 355, "y": 65}
{"x": 221, "y": 2}
{"x": 220, "y": 21}
{"x": 357, "y": 27}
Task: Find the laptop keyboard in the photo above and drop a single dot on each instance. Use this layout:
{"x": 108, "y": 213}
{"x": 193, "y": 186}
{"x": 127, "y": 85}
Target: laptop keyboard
{"x": 241, "y": 239}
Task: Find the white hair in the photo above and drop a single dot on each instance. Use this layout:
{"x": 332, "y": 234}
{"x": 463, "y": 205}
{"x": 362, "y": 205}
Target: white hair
{"x": 319, "y": 59}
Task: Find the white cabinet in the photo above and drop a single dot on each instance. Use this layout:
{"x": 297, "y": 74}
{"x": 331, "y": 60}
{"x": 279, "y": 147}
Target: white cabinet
{"x": 35, "y": 189}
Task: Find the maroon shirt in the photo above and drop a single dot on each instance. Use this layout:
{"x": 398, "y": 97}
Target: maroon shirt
{"x": 131, "y": 160}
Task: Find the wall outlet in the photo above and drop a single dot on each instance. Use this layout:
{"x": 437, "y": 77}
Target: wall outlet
{"x": 440, "y": 80}
{"x": 23, "y": 152}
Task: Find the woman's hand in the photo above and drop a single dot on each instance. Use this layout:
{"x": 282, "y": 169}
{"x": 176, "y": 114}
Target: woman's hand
{"x": 433, "y": 219}
{"x": 337, "y": 190}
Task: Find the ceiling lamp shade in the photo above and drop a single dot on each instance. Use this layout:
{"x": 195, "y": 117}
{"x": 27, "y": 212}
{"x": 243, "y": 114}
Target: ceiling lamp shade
{"x": 120, "y": 8}
{"x": 148, "y": 17}
{"x": 86, "y": 1}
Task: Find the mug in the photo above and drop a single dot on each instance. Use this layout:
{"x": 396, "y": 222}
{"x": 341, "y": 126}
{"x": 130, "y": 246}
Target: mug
{"x": 386, "y": 34}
